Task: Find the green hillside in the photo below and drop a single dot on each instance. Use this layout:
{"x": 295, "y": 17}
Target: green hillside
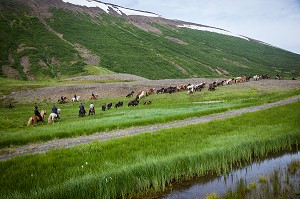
{"x": 35, "y": 47}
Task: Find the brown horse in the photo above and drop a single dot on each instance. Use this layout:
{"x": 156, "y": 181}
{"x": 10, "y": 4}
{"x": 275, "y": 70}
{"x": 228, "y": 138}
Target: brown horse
{"x": 62, "y": 100}
{"x": 35, "y": 119}
{"x": 92, "y": 97}
{"x": 92, "y": 111}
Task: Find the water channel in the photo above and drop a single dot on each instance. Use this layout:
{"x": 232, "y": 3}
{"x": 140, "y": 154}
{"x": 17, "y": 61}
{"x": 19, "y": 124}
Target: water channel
{"x": 201, "y": 187}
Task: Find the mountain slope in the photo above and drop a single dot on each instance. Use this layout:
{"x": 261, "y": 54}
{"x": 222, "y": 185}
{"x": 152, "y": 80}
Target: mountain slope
{"x": 48, "y": 39}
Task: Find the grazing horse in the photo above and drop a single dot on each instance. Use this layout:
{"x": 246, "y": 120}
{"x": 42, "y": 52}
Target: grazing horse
{"x": 109, "y": 105}
{"x": 130, "y": 94}
{"x": 147, "y": 103}
{"x": 52, "y": 116}
{"x": 35, "y": 119}
{"x": 134, "y": 102}
{"x": 119, "y": 104}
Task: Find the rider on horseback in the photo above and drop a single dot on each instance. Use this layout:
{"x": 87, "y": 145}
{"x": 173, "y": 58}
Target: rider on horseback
{"x": 54, "y": 110}
{"x": 75, "y": 97}
{"x": 92, "y": 108}
{"x": 81, "y": 109}
{"x": 37, "y": 113}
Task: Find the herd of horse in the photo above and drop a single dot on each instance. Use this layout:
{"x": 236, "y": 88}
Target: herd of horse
{"x": 189, "y": 88}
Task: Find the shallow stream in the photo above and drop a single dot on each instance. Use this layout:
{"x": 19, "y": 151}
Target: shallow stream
{"x": 201, "y": 187}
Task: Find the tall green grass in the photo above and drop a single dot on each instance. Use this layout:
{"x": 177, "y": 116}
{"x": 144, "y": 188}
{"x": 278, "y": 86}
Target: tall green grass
{"x": 122, "y": 167}
{"x": 165, "y": 108}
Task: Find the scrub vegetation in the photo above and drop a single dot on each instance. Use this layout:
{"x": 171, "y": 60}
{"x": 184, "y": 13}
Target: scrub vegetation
{"x": 121, "y": 47}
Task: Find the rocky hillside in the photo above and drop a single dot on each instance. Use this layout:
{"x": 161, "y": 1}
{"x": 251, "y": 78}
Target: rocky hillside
{"x": 54, "y": 39}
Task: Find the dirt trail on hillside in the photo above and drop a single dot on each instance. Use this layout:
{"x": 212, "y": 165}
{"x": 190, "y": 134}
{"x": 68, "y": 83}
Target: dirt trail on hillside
{"x": 126, "y": 83}
{"x": 70, "y": 142}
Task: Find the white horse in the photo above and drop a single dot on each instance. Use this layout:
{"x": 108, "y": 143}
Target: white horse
{"x": 76, "y": 100}
{"x": 257, "y": 77}
{"x": 52, "y": 116}
{"x": 191, "y": 89}
{"x": 143, "y": 94}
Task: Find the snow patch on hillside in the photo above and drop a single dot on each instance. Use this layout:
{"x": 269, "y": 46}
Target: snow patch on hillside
{"x": 210, "y": 29}
{"x": 107, "y": 7}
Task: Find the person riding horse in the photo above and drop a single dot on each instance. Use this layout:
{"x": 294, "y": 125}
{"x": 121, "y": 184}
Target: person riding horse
{"x": 37, "y": 113}
{"x": 93, "y": 96}
{"x": 75, "y": 97}
{"x": 54, "y": 110}
{"x": 81, "y": 110}
{"x": 92, "y": 108}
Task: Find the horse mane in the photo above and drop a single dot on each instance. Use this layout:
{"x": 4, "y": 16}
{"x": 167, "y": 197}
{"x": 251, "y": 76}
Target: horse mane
{"x": 43, "y": 113}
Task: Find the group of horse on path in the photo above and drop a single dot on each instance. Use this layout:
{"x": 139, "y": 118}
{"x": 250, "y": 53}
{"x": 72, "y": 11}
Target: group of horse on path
{"x": 64, "y": 99}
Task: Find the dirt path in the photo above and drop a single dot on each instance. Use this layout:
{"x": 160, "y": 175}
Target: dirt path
{"x": 69, "y": 142}
{"x": 126, "y": 84}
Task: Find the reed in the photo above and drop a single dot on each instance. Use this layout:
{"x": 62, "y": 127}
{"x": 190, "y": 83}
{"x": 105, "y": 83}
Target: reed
{"x": 280, "y": 184}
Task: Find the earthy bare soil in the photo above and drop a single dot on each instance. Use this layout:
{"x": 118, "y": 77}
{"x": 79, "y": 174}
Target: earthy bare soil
{"x": 126, "y": 84}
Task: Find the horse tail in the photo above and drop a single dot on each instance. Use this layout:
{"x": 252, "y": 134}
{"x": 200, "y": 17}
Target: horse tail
{"x": 30, "y": 121}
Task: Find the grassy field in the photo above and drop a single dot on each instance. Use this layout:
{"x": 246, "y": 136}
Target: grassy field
{"x": 164, "y": 108}
{"x": 145, "y": 162}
